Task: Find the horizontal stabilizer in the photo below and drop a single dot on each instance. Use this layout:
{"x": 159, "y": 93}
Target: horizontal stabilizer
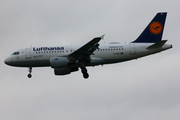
{"x": 157, "y": 45}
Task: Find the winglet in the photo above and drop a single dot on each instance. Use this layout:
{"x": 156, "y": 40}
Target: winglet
{"x": 102, "y": 37}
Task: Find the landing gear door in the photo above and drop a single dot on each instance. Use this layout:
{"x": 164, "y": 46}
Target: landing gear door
{"x": 132, "y": 49}
{"x": 28, "y": 53}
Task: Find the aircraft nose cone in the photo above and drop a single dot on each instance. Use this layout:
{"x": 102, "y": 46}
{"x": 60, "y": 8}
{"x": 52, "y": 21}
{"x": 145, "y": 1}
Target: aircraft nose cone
{"x": 7, "y": 61}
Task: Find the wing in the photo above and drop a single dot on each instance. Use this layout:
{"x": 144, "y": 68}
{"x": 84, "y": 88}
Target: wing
{"x": 85, "y": 51}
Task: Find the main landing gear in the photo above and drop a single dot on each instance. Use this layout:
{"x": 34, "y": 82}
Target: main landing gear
{"x": 84, "y": 72}
{"x": 30, "y": 70}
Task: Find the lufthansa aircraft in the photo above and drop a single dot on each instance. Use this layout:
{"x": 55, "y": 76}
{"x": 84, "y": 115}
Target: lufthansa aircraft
{"x": 67, "y": 59}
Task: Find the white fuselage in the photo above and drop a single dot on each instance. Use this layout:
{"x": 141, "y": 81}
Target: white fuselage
{"x": 67, "y": 59}
{"x": 106, "y": 54}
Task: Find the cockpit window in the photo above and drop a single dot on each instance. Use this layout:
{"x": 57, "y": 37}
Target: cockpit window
{"x": 15, "y": 53}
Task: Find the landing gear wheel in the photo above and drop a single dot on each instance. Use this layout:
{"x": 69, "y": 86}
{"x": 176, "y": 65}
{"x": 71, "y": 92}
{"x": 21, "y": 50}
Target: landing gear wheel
{"x": 29, "y": 75}
{"x": 30, "y": 70}
{"x": 85, "y": 75}
{"x": 83, "y": 70}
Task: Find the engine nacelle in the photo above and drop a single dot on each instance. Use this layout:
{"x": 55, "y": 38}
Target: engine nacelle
{"x": 64, "y": 71}
{"x": 59, "y": 62}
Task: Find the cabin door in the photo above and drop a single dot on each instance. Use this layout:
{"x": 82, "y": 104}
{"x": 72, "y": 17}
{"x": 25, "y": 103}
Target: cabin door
{"x": 132, "y": 48}
{"x": 28, "y": 53}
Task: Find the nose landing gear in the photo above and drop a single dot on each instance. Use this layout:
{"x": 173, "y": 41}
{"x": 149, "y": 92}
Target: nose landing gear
{"x": 30, "y": 70}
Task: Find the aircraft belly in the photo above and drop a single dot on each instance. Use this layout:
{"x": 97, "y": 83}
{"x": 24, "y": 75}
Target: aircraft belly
{"x": 31, "y": 63}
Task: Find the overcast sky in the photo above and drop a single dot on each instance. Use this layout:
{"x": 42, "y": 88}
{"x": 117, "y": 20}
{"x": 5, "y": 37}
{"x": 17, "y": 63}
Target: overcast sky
{"x": 142, "y": 89}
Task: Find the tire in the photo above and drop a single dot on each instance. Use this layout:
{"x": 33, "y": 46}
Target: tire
{"x": 29, "y": 75}
{"x": 85, "y": 75}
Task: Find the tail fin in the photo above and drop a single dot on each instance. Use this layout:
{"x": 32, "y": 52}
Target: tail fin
{"x": 154, "y": 31}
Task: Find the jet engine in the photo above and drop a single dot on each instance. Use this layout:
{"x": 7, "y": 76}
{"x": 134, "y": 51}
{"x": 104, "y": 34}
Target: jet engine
{"x": 59, "y": 62}
{"x": 65, "y": 70}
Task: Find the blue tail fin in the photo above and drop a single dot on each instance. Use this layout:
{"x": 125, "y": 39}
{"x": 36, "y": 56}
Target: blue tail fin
{"x": 154, "y": 31}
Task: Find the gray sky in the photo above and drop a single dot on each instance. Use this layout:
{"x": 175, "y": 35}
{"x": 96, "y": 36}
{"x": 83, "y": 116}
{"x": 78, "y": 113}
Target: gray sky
{"x": 143, "y": 89}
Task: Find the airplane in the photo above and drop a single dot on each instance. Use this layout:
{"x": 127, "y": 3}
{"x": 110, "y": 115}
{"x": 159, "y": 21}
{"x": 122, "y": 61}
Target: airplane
{"x": 67, "y": 59}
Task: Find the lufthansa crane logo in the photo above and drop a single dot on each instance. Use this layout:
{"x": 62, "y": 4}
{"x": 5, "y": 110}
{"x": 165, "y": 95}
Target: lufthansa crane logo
{"x": 155, "y": 28}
